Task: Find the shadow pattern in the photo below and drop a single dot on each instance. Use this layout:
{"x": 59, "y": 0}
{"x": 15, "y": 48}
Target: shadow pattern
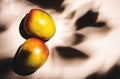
{"x": 3, "y": 28}
{"x": 70, "y": 53}
{"x": 22, "y": 31}
{"x": 5, "y": 66}
{"x": 78, "y": 39}
{"x": 89, "y": 20}
{"x": 49, "y": 4}
{"x": 114, "y": 73}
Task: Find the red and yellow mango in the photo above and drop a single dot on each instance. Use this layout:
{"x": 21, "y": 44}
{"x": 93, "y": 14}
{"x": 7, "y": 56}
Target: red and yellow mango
{"x": 30, "y": 56}
{"x": 39, "y": 24}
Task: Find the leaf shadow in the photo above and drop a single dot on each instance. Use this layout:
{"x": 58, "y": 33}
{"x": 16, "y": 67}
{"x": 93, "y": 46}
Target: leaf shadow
{"x": 113, "y": 73}
{"x": 5, "y": 66}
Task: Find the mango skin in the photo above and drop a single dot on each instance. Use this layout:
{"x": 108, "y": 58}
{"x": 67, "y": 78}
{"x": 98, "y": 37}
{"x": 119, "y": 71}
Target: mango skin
{"x": 40, "y": 24}
{"x": 30, "y": 56}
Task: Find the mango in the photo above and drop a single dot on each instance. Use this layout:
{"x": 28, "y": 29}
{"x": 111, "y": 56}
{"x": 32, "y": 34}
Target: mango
{"x": 39, "y": 24}
{"x": 31, "y": 55}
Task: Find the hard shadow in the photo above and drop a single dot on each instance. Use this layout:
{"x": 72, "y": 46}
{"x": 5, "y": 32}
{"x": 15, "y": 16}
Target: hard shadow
{"x": 22, "y": 31}
{"x": 70, "y": 53}
{"x": 3, "y": 28}
{"x": 114, "y": 73}
{"x": 5, "y": 66}
{"x": 49, "y": 4}
{"x": 78, "y": 38}
{"x": 89, "y": 20}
